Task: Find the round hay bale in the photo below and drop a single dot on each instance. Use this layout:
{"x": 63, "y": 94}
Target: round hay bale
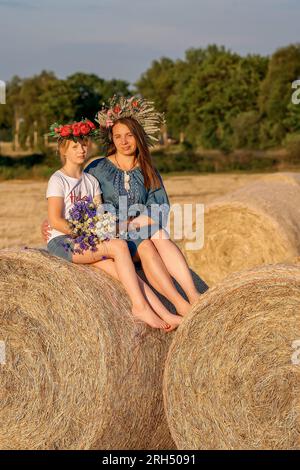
{"x": 78, "y": 371}
{"x": 232, "y": 375}
{"x": 257, "y": 224}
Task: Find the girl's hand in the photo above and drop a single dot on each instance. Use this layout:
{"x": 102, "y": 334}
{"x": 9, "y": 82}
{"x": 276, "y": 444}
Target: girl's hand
{"x": 45, "y": 230}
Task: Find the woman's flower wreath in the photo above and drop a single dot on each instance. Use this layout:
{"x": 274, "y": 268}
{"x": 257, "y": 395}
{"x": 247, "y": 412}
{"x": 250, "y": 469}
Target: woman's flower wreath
{"x": 141, "y": 110}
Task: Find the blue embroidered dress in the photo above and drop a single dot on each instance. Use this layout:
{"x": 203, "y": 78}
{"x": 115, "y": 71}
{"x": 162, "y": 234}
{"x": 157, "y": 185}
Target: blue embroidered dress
{"x": 111, "y": 179}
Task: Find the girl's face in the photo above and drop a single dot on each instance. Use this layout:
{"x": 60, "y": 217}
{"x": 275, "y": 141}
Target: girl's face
{"x": 123, "y": 139}
{"x": 77, "y": 152}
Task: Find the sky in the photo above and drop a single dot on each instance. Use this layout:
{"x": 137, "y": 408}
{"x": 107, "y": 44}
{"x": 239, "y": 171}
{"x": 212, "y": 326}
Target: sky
{"x": 120, "y": 38}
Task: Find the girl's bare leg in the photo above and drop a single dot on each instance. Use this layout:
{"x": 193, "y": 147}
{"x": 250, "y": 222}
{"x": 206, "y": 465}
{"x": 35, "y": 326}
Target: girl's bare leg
{"x": 175, "y": 263}
{"x": 118, "y": 250}
{"x": 159, "y": 277}
{"x": 109, "y": 267}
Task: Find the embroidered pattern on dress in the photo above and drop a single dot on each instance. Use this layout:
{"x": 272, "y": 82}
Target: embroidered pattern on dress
{"x": 133, "y": 195}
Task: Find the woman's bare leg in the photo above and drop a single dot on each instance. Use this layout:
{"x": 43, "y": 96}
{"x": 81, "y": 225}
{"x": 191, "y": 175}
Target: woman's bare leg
{"x": 109, "y": 267}
{"x": 118, "y": 250}
{"x": 175, "y": 263}
{"x": 159, "y": 277}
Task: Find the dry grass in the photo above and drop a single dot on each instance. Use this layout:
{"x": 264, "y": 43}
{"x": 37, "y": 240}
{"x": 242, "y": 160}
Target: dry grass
{"x": 229, "y": 381}
{"x": 23, "y": 207}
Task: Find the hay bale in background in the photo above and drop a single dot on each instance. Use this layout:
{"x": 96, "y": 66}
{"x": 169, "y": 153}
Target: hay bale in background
{"x": 80, "y": 373}
{"x": 257, "y": 224}
{"x": 230, "y": 381}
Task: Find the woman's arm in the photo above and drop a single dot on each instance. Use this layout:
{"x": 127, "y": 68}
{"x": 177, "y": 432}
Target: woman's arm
{"x": 55, "y": 212}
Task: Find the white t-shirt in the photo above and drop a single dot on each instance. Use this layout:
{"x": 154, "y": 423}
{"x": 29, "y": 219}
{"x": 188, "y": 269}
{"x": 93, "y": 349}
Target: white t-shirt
{"x": 72, "y": 190}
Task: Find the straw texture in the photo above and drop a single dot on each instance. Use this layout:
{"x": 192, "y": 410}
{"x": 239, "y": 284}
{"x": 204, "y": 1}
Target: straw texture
{"x": 229, "y": 381}
{"x": 80, "y": 372}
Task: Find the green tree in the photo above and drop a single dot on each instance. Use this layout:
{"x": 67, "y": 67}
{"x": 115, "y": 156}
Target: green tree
{"x": 157, "y": 83}
{"x": 276, "y": 92}
{"x": 213, "y": 87}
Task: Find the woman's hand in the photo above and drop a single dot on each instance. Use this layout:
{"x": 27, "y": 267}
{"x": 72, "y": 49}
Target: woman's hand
{"x": 140, "y": 221}
{"x": 45, "y": 230}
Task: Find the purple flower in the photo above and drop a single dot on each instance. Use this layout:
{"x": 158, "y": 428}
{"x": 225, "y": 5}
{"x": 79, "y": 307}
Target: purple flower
{"x": 67, "y": 246}
{"x": 82, "y": 212}
{"x": 91, "y": 239}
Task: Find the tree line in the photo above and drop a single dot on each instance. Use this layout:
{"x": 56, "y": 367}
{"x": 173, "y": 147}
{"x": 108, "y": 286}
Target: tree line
{"x": 212, "y": 98}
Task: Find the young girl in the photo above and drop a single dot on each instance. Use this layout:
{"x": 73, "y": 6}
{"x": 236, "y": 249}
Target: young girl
{"x": 71, "y": 184}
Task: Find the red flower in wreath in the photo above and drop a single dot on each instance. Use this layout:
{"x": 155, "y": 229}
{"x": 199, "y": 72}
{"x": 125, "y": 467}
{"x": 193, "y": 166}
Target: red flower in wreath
{"x": 66, "y": 130}
{"x": 91, "y": 124}
{"x": 117, "y": 109}
{"x": 76, "y": 129}
{"x": 84, "y": 128}
{"x": 135, "y": 104}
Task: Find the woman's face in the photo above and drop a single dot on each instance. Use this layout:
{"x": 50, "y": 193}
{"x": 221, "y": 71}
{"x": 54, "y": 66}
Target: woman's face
{"x": 123, "y": 139}
{"x": 77, "y": 152}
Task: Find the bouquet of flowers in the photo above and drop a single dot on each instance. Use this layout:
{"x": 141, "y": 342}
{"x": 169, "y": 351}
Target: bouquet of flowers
{"x": 89, "y": 225}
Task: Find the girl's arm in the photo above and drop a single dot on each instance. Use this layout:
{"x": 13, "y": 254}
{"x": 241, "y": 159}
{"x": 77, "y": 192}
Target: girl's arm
{"x": 55, "y": 215}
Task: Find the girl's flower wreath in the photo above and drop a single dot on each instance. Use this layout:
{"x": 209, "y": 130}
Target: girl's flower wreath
{"x": 74, "y": 131}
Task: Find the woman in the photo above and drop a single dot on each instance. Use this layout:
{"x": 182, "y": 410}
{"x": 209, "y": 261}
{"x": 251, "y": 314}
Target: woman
{"x": 70, "y": 184}
{"x": 128, "y": 128}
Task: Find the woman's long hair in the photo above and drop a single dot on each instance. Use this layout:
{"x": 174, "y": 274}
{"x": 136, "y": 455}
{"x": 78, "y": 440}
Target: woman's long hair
{"x": 151, "y": 180}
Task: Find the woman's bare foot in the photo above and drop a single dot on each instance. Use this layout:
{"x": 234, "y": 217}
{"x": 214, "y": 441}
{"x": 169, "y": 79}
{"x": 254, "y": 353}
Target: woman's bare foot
{"x": 146, "y": 314}
{"x": 193, "y": 298}
{"x": 183, "y": 307}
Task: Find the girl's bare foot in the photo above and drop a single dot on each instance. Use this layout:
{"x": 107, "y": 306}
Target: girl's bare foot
{"x": 172, "y": 319}
{"x": 146, "y": 314}
{"x": 171, "y": 328}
